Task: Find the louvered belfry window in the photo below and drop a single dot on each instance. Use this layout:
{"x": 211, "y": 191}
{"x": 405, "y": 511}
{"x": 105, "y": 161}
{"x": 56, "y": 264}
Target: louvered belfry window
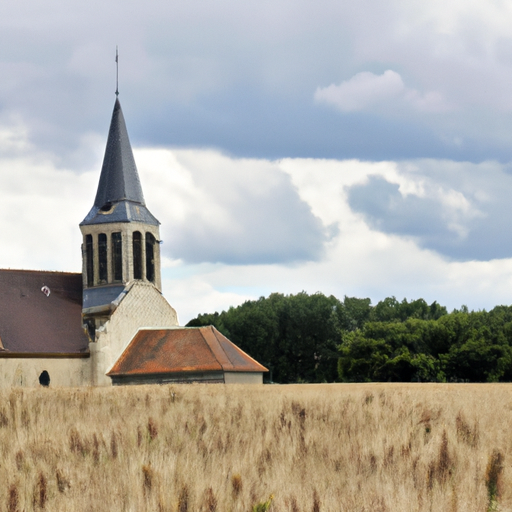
{"x": 102, "y": 258}
{"x": 150, "y": 257}
{"x": 89, "y": 262}
{"x": 117, "y": 257}
{"x": 137, "y": 255}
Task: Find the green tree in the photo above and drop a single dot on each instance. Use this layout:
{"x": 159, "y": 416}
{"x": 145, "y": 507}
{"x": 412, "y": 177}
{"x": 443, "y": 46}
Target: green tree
{"x": 361, "y": 358}
{"x": 478, "y": 361}
{"x": 296, "y": 335}
{"x": 356, "y": 313}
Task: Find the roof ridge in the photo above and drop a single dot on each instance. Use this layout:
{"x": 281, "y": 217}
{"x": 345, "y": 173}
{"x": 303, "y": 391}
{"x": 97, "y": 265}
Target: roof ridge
{"x": 67, "y": 272}
{"x": 238, "y": 348}
{"x": 226, "y": 360}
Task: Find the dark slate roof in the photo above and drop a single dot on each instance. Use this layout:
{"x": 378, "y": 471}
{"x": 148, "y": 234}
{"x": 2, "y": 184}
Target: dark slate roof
{"x": 182, "y": 349}
{"x": 32, "y": 322}
{"x": 123, "y": 211}
{"x": 119, "y": 197}
{"x": 101, "y": 296}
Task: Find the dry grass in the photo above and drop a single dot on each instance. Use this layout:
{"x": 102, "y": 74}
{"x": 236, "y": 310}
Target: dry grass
{"x": 200, "y": 448}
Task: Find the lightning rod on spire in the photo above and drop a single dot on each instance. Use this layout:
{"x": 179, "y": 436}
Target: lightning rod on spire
{"x": 117, "y": 72}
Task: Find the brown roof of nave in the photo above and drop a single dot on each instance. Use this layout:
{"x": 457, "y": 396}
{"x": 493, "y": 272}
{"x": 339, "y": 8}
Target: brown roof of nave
{"x": 32, "y": 322}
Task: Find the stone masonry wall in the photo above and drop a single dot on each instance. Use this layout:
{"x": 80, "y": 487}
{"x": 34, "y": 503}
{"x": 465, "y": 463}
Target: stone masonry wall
{"x": 243, "y": 377}
{"x": 63, "y": 372}
{"x": 126, "y": 229}
{"x": 142, "y": 307}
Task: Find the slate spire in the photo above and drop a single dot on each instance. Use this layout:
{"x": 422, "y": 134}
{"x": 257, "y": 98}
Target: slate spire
{"x": 119, "y": 197}
{"x": 119, "y": 179}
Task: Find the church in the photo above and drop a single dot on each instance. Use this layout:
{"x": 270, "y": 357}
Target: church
{"x": 109, "y": 325}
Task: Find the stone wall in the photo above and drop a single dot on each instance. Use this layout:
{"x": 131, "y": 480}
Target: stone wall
{"x": 126, "y": 229}
{"x": 142, "y": 307}
{"x": 63, "y": 372}
{"x": 243, "y": 378}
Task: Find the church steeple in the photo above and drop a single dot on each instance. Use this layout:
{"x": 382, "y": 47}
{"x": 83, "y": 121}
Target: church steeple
{"x": 119, "y": 197}
{"x": 120, "y": 235}
{"x": 119, "y": 179}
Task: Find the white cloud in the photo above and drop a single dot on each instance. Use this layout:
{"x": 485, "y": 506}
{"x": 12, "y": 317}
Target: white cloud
{"x": 362, "y": 91}
{"x": 230, "y": 210}
{"x": 14, "y": 138}
{"x": 222, "y": 65}
{"x": 361, "y": 261}
{"x": 42, "y": 206}
{"x": 365, "y": 91}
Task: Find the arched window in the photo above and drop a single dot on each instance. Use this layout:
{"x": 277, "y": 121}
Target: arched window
{"x": 102, "y": 258}
{"x": 44, "y": 379}
{"x": 89, "y": 265}
{"x": 137, "y": 255}
{"x": 150, "y": 257}
{"x": 117, "y": 257}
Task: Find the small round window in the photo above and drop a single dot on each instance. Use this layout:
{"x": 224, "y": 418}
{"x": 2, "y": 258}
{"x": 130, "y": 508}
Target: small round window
{"x": 44, "y": 379}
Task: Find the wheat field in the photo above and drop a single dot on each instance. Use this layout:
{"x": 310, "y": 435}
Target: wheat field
{"x": 339, "y": 447}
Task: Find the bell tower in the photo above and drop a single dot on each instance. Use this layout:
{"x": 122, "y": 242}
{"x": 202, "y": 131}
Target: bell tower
{"x": 120, "y": 235}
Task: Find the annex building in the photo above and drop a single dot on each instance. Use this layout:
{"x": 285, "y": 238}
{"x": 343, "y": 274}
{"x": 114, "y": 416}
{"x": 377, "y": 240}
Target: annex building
{"x": 110, "y": 324}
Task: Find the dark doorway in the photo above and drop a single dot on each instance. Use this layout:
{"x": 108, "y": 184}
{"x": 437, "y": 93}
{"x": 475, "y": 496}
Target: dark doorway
{"x": 44, "y": 379}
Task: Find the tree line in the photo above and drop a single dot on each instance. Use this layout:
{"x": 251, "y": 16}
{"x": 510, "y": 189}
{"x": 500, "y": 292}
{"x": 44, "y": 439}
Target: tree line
{"x": 315, "y": 338}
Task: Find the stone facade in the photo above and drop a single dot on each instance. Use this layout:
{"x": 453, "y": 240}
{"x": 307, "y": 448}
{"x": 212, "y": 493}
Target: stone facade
{"x": 243, "y": 378}
{"x": 126, "y": 229}
{"x": 143, "y": 306}
{"x": 63, "y": 371}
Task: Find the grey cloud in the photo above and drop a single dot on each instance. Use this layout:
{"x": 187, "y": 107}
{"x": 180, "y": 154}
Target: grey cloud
{"x": 241, "y": 76}
{"x": 274, "y": 227}
{"x": 480, "y": 233}
{"x": 386, "y": 209}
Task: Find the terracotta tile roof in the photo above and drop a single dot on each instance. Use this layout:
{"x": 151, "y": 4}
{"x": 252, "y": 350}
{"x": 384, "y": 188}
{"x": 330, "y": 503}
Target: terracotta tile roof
{"x": 183, "y": 349}
{"x": 32, "y": 321}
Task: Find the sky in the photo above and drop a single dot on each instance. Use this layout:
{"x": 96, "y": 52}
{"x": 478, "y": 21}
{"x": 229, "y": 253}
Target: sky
{"x": 349, "y": 148}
